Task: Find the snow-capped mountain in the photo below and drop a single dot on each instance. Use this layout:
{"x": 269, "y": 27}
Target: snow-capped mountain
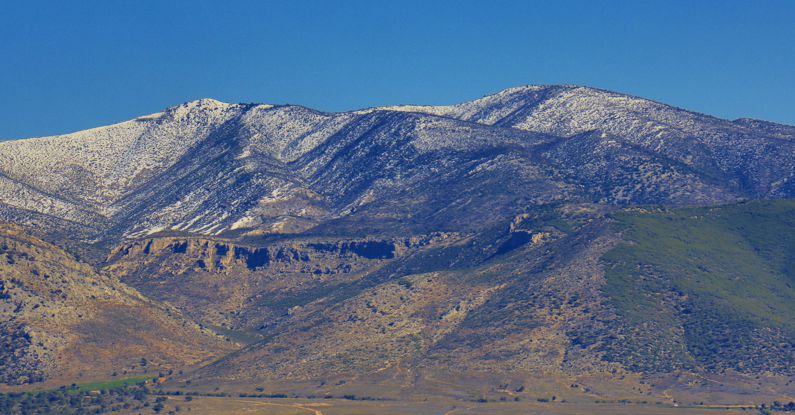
{"x": 555, "y": 231}
{"x": 210, "y": 168}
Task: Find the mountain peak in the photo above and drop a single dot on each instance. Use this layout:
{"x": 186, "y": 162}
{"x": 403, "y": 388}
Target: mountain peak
{"x": 206, "y": 103}
{"x": 200, "y": 105}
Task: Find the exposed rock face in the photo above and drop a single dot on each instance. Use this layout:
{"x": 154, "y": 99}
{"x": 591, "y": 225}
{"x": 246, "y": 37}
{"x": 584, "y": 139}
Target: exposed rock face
{"x": 235, "y": 286}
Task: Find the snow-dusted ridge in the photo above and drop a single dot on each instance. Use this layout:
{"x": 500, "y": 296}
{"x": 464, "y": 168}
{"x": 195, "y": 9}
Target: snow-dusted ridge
{"x": 209, "y": 167}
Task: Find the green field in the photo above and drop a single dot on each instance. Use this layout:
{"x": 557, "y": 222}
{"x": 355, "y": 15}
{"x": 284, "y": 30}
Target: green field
{"x": 111, "y": 384}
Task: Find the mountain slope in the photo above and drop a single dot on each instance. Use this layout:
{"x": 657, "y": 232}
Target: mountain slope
{"x": 705, "y": 290}
{"x": 723, "y": 277}
{"x": 63, "y": 321}
{"x": 756, "y": 158}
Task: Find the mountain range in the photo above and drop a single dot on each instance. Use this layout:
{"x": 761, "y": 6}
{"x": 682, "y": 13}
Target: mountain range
{"x": 543, "y": 232}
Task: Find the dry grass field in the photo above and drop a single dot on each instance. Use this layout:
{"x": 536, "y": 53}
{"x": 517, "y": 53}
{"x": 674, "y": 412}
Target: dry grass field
{"x": 254, "y": 406}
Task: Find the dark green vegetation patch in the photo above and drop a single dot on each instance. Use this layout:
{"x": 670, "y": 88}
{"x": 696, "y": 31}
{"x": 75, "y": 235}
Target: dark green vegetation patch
{"x": 708, "y": 288}
{"x": 97, "y": 398}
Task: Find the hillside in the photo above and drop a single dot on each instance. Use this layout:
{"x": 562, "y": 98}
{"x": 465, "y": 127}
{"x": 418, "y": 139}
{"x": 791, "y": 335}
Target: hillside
{"x": 63, "y": 321}
{"x": 584, "y": 298}
{"x": 717, "y": 281}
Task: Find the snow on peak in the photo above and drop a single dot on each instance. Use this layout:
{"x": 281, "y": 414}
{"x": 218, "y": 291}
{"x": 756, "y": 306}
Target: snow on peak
{"x": 206, "y": 103}
{"x": 200, "y": 106}
{"x": 112, "y": 159}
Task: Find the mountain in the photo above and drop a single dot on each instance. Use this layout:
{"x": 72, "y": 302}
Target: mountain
{"x": 543, "y": 231}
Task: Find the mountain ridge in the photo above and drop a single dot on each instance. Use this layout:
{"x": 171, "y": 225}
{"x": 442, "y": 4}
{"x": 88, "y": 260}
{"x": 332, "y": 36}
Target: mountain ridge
{"x": 145, "y": 147}
{"x": 209, "y": 101}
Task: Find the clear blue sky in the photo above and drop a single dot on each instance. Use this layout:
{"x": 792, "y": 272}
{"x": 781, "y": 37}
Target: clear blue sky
{"x": 67, "y": 66}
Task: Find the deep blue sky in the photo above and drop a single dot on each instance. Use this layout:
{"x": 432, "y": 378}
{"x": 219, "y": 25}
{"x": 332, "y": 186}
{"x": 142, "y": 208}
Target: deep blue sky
{"x": 66, "y": 66}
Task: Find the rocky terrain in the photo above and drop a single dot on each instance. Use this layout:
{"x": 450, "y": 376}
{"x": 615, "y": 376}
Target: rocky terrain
{"x": 549, "y": 230}
{"x": 62, "y": 319}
